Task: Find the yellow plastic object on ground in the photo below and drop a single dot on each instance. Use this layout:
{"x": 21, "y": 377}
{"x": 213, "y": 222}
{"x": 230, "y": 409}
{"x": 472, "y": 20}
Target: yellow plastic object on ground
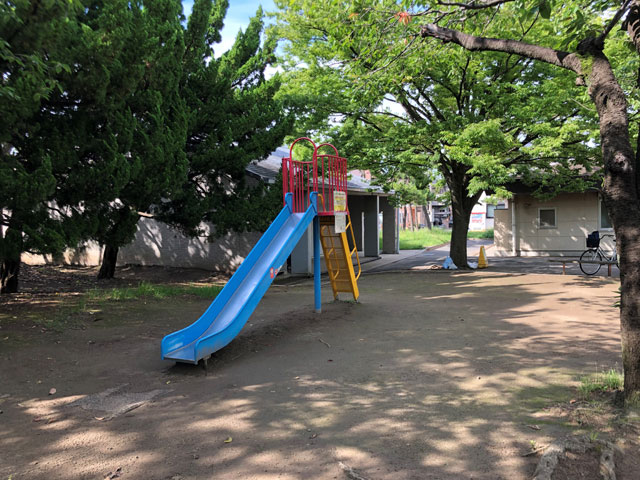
{"x": 482, "y": 259}
{"x": 338, "y": 256}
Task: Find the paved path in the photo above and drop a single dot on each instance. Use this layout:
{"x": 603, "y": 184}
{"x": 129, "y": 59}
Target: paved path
{"x": 422, "y": 259}
{"x": 415, "y": 259}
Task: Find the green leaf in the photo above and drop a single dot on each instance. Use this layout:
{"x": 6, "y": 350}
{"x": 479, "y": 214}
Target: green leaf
{"x": 545, "y": 9}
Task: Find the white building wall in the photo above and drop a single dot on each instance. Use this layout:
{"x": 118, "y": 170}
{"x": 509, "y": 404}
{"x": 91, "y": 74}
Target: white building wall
{"x": 577, "y": 215}
{"x": 502, "y": 232}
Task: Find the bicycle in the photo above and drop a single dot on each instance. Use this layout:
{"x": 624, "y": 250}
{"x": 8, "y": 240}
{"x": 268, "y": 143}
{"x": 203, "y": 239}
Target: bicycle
{"x": 594, "y": 255}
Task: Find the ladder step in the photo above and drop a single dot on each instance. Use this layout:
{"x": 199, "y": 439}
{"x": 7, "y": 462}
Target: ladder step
{"x": 338, "y": 256}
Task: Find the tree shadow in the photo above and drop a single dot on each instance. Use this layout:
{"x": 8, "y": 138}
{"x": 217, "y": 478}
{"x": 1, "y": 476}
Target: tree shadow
{"x": 430, "y": 376}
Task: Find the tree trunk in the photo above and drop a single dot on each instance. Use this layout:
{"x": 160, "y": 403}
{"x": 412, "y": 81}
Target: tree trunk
{"x": 10, "y": 263}
{"x": 9, "y": 270}
{"x": 109, "y": 260}
{"x": 458, "y": 246}
{"x": 404, "y": 217}
{"x": 630, "y": 316}
{"x": 461, "y": 206}
{"x": 412, "y": 212}
{"x": 621, "y": 199}
{"x": 427, "y": 218}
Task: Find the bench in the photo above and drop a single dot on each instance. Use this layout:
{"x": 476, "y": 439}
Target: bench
{"x": 564, "y": 262}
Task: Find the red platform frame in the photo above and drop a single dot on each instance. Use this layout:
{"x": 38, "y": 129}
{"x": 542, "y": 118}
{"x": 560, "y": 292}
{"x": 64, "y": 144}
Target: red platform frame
{"x": 325, "y": 174}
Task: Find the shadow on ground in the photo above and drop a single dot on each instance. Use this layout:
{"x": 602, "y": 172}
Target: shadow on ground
{"x": 432, "y": 375}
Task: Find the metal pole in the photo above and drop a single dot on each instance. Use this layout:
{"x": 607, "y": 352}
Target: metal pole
{"x": 514, "y": 227}
{"x": 316, "y": 265}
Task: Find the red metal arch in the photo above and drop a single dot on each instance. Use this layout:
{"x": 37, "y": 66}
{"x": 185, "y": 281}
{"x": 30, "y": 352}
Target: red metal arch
{"x": 325, "y": 174}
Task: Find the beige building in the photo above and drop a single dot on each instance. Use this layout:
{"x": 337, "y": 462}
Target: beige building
{"x": 529, "y": 226}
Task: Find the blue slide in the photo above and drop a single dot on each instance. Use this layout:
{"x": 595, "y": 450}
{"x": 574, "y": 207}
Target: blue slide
{"x": 233, "y": 306}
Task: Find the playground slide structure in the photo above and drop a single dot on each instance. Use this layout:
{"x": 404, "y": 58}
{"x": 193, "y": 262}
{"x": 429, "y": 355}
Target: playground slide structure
{"x": 308, "y": 189}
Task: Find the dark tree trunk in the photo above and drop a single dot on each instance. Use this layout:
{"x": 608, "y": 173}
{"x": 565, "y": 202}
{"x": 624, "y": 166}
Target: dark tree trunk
{"x": 461, "y": 206}
{"x": 620, "y": 196}
{"x": 458, "y": 246}
{"x": 404, "y": 217}
{"x": 9, "y": 271}
{"x": 10, "y": 263}
{"x": 427, "y": 219}
{"x": 638, "y": 144}
{"x": 109, "y": 260}
{"x": 461, "y": 217}
{"x": 630, "y": 308}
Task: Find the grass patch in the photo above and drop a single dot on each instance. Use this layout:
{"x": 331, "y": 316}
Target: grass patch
{"x": 150, "y": 290}
{"x": 481, "y": 234}
{"x": 601, "y": 382}
{"x": 423, "y": 237}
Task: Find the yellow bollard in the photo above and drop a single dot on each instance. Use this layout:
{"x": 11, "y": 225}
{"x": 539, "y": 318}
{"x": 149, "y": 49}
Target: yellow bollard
{"x": 482, "y": 259}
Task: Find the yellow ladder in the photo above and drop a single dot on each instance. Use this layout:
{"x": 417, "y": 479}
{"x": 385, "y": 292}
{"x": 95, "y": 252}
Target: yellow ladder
{"x": 338, "y": 256}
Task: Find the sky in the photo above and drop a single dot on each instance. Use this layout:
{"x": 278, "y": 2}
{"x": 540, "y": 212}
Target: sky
{"x": 238, "y": 15}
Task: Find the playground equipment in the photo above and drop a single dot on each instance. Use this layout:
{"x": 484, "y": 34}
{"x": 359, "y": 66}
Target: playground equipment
{"x": 313, "y": 192}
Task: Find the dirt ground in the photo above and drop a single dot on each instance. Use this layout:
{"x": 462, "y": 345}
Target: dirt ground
{"x": 433, "y": 375}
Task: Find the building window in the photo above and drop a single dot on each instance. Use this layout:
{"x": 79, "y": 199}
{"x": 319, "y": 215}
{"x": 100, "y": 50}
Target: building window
{"x": 605, "y": 221}
{"x": 546, "y": 218}
{"x": 490, "y": 211}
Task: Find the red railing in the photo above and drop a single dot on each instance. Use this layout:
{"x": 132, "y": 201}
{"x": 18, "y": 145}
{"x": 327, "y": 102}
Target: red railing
{"x": 325, "y": 174}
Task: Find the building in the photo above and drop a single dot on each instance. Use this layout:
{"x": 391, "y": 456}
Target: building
{"x": 529, "y": 226}
{"x": 441, "y": 214}
{"x": 483, "y": 214}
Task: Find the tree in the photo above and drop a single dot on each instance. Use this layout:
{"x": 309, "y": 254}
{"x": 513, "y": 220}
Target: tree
{"x": 416, "y": 190}
{"x": 583, "y": 32}
{"x": 26, "y": 32}
{"x": 41, "y": 187}
{"x": 234, "y": 117}
{"x": 77, "y": 150}
{"x": 151, "y": 72}
{"x": 408, "y": 109}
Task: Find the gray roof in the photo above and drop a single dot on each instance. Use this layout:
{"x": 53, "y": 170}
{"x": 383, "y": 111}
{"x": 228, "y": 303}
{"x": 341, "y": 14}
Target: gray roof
{"x": 267, "y": 170}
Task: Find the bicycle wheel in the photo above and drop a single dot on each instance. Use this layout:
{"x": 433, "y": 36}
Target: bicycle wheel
{"x": 590, "y": 256}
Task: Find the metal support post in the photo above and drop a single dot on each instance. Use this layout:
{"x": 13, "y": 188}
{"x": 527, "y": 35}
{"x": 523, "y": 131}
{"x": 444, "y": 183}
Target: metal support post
{"x": 316, "y": 265}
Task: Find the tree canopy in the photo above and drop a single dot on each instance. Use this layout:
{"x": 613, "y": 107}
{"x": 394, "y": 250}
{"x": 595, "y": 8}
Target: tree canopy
{"x": 235, "y": 116}
{"x": 40, "y": 191}
{"x": 410, "y": 108}
{"x": 116, "y": 110}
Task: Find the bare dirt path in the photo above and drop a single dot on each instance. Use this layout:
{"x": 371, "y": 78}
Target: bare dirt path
{"x": 433, "y": 375}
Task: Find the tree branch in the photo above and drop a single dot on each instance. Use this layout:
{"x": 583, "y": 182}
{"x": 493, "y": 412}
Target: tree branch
{"x": 567, "y": 60}
{"x": 616, "y": 18}
{"x": 475, "y": 5}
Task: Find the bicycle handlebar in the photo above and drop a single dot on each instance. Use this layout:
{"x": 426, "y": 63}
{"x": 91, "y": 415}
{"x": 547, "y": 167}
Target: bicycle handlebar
{"x": 609, "y": 235}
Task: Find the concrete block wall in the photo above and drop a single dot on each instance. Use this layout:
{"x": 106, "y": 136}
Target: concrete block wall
{"x": 158, "y": 244}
